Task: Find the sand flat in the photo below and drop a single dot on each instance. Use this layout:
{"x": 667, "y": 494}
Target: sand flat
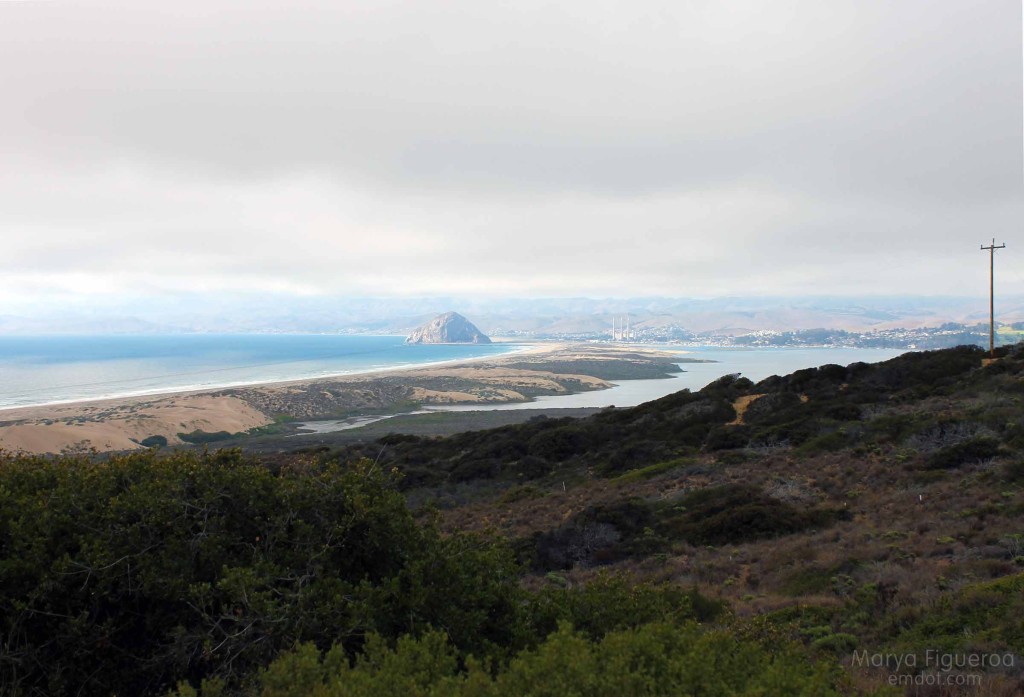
{"x": 119, "y": 424}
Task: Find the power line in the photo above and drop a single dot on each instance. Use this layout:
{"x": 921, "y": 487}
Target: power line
{"x": 992, "y": 294}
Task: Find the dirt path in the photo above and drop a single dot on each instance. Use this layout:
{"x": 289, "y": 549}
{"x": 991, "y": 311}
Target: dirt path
{"x": 741, "y": 405}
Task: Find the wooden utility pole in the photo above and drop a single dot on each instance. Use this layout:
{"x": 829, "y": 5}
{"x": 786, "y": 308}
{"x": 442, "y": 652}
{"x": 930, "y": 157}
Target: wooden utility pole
{"x": 992, "y": 295}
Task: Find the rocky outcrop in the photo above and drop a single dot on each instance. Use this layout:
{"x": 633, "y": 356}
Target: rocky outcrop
{"x": 449, "y": 328}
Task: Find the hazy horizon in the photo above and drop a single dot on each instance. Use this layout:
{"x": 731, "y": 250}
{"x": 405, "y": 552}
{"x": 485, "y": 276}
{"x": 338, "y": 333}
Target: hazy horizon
{"x": 259, "y": 313}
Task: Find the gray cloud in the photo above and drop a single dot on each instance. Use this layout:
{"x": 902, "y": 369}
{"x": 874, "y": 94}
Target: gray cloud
{"x": 534, "y": 148}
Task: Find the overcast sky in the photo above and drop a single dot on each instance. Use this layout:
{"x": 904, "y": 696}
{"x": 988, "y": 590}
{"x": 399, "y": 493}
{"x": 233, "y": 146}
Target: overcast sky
{"x": 523, "y": 149}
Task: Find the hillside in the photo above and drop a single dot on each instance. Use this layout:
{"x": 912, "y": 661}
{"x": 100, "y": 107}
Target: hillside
{"x": 768, "y": 538}
{"x": 847, "y": 504}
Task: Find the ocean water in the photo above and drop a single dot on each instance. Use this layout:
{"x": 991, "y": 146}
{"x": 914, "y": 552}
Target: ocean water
{"x": 753, "y": 363}
{"x": 56, "y": 369}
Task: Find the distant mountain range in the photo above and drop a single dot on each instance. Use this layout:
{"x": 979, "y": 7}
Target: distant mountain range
{"x": 528, "y": 318}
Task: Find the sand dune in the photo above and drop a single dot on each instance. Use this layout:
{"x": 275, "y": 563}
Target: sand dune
{"x": 120, "y": 424}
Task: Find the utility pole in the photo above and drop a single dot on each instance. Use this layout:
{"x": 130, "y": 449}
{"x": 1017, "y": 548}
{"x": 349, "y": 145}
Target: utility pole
{"x": 992, "y": 294}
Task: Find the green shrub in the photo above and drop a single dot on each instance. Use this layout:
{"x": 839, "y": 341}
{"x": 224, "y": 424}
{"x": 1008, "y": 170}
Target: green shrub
{"x": 732, "y": 457}
{"x": 655, "y": 659}
{"x": 558, "y": 444}
{"x": 813, "y": 579}
{"x": 981, "y": 614}
{"x": 154, "y": 442}
{"x": 826, "y": 442}
{"x": 727, "y": 438}
{"x": 966, "y": 452}
{"x": 738, "y": 513}
{"x": 610, "y": 603}
{"x": 654, "y": 470}
{"x": 773, "y": 407}
{"x": 835, "y": 643}
{"x": 520, "y": 493}
{"x": 633, "y": 455}
{"x": 844, "y": 412}
{"x": 600, "y": 534}
{"x": 1014, "y": 471}
{"x": 199, "y": 437}
{"x": 127, "y": 575}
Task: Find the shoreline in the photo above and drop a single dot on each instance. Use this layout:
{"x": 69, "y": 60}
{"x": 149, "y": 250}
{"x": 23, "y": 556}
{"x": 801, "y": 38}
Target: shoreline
{"x": 526, "y": 349}
{"x": 533, "y": 376}
{"x": 124, "y": 423}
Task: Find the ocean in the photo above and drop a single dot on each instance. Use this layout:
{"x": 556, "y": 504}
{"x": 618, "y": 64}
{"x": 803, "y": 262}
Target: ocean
{"x": 59, "y": 369}
{"x": 38, "y": 370}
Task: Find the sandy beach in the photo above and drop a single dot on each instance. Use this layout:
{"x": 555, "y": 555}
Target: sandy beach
{"x": 122, "y": 424}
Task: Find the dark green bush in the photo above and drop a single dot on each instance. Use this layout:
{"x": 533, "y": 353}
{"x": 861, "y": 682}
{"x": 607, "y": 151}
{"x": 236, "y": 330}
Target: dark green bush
{"x": 558, "y": 444}
{"x": 794, "y": 432}
{"x": 154, "y": 442}
{"x": 772, "y": 408}
{"x": 843, "y": 412}
{"x": 826, "y": 442}
{"x": 736, "y": 513}
{"x": 1014, "y": 471}
{"x": 199, "y": 437}
{"x": 599, "y": 535}
{"x": 727, "y": 438}
{"x": 125, "y": 576}
{"x": 892, "y": 428}
{"x": 925, "y": 372}
{"x": 967, "y": 452}
{"x": 835, "y": 643}
{"x": 610, "y": 603}
{"x": 980, "y": 614}
{"x": 631, "y": 456}
{"x": 656, "y": 660}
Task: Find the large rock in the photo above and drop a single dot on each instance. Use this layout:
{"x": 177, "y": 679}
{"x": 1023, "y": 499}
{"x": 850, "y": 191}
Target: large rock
{"x": 449, "y": 328}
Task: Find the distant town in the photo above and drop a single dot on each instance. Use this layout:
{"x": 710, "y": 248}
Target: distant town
{"x": 943, "y": 336}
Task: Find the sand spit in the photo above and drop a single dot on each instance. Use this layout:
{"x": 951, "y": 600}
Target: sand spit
{"x": 120, "y": 424}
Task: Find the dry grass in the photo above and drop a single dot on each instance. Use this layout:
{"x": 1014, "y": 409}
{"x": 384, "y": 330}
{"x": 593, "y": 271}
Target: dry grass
{"x": 917, "y": 540}
{"x": 741, "y": 405}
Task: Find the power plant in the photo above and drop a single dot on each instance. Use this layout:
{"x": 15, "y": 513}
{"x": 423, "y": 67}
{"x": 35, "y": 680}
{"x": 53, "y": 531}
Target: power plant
{"x": 621, "y": 330}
